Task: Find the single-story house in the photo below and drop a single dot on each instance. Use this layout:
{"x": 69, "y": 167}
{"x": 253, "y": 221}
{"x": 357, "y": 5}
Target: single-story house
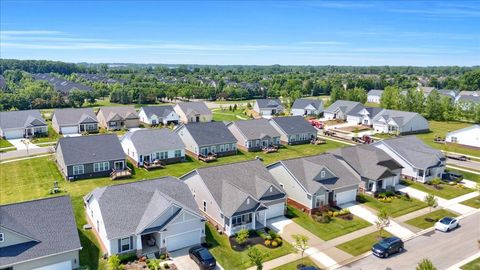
{"x": 89, "y": 156}
{"x": 374, "y": 96}
{"x": 267, "y": 108}
{"x": 341, "y": 108}
{"x": 21, "y": 124}
{"x": 253, "y": 135}
{"x": 420, "y": 162}
{"x": 378, "y": 171}
{"x": 316, "y": 181}
{"x": 39, "y": 234}
{"x": 149, "y": 145}
{"x": 305, "y": 107}
{"x": 365, "y": 116}
{"x": 467, "y": 99}
{"x": 155, "y": 115}
{"x": 293, "y": 129}
{"x": 469, "y": 136}
{"x": 452, "y": 94}
{"x": 145, "y": 217}
{"x": 207, "y": 138}
{"x": 118, "y": 117}
{"x": 426, "y": 90}
{"x": 236, "y": 196}
{"x": 399, "y": 122}
{"x": 193, "y": 112}
{"x": 74, "y": 121}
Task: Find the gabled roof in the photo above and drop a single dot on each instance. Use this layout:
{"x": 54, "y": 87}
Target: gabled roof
{"x": 268, "y": 103}
{"x": 21, "y": 119}
{"x": 345, "y": 106}
{"x": 49, "y": 223}
{"x": 90, "y": 149}
{"x": 302, "y": 103}
{"x": 61, "y": 85}
{"x": 196, "y": 107}
{"x": 148, "y": 141}
{"x": 399, "y": 117}
{"x": 256, "y": 129}
{"x": 129, "y": 209}
{"x": 292, "y": 125}
{"x": 209, "y": 133}
{"x": 373, "y": 111}
{"x": 124, "y": 112}
{"x": 160, "y": 111}
{"x": 70, "y": 117}
{"x": 468, "y": 99}
{"x": 375, "y": 92}
{"x": 475, "y": 129}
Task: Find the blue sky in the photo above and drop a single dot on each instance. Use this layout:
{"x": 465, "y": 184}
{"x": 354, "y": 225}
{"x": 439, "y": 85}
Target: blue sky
{"x": 243, "y": 32}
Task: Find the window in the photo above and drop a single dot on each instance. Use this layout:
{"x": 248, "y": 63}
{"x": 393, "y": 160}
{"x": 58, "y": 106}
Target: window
{"x": 222, "y": 148}
{"x": 178, "y": 153}
{"x": 204, "y": 206}
{"x": 78, "y": 169}
{"x": 454, "y": 139}
{"x": 1, "y": 238}
{"x": 125, "y": 244}
{"x": 322, "y": 174}
{"x": 227, "y": 147}
{"x": 101, "y": 166}
{"x": 234, "y": 147}
{"x": 163, "y": 155}
{"x": 271, "y": 189}
{"x": 248, "y": 200}
{"x": 242, "y": 219}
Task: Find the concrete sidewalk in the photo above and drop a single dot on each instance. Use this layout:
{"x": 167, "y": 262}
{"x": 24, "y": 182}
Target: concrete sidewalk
{"x": 23, "y": 153}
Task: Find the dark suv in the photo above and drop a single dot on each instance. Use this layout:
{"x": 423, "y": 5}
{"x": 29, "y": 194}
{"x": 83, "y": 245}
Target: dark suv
{"x": 387, "y": 247}
{"x": 202, "y": 257}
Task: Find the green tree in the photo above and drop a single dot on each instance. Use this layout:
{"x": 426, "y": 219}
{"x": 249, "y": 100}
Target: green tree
{"x": 431, "y": 201}
{"x": 242, "y": 236}
{"x": 256, "y": 257}
{"x": 301, "y": 244}
{"x": 391, "y": 98}
{"x": 76, "y": 98}
{"x": 383, "y": 220}
{"x": 433, "y": 107}
{"x": 425, "y": 264}
{"x": 114, "y": 263}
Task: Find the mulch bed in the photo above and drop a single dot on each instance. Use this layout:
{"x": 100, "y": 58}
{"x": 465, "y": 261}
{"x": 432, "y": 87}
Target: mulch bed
{"x": 253, "y": 239}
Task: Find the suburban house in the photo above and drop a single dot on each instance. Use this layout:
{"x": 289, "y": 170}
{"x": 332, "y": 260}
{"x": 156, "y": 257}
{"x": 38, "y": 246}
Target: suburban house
{"x": 420, "y": 162}
{"x": 452, "y": 94}
{"x": 364, "y": 117}
{"x": 468, "y": 98}
{"x": 21, "y": 124}
{"x": 156, "y": 115}
{"x": 305, "y": 107}
{"x": 74, "y": 121}
{"x": 294, "y": 130}
{"x": 316, "y": 181}
{"x": 146, "y": 146}
{"x": 374, "y": 96}
{"x": 118, "y": 117}
{"x": 39, "y": 234}
{"x": 255, "y": 134}
{"x": 207, "y": 139}
{"x": 145, "y": 217}
{"x": 378, "y": 171}
{"x": 90, "y": 156}
{"x": 193, "y": 112}
{"x": 341, "y": 108}
{"x": 236, "y": 196}
{"x": 426, "y": 90}
{"x": 267, "y": 108}
{"x": 469, "y": 136}
{"x": 399, "y": 122}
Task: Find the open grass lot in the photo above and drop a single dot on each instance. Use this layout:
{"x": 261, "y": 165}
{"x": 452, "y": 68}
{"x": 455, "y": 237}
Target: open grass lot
{"x": 228, "y": 102}
{"x": 337, "y": 227}
{"x": 33, "y": 178}
{"x": 227, "y": 115}
{"x": 473, "y": 202}
{"x": 422, "y": 222}
{"x": 473, "y": 265}
{"x": 446, "y": 191}
{"x": 372, "y": 104}
{"x": 293, "y": 265}
{"x": 398, "y": 207}
{"x": 362, "y": 244}
{"x": 230, "y": 259}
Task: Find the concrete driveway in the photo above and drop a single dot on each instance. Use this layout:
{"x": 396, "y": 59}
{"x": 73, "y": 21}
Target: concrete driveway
{"x": 183, "y": 261}
{"x": 18, "y": 143}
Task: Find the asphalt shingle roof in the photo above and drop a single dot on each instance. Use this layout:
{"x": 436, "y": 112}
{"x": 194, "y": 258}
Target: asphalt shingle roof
{"x": 153, "y": 140}
{"x": 400, "y": 117}
{"x": 375, "y": 92}
{"x": 345, "y": 106}
{"x": 294, "y": 125}
{"x": 256, "y": 129}
{"x": 21, "y": 119}
{"x": 210, "y": 133}
{"x": 125, "y": 112}
{"x": 160, "y": 111}
{"x": 195, "y": 107}
{"x": 268, "y": 103}
{"x": 61, "y": 85}
{"x": 302, "y": 103}
{"x": 69, "y": 117}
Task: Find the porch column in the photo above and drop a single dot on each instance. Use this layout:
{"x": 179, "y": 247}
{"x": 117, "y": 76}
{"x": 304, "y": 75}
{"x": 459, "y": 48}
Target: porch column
{"x": 139, "y": 245}
{"x": 424, "y": 172}
{"x": 265, "y": 218}
{"x": 374, "y": 186}
{"x": 253, "y": 221}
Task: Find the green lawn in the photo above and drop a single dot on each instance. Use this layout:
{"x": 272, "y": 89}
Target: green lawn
{"x": 53, "y": 136}
{"x": 467, "y": 175}
{"x": 473, "y": 265}
{"x": 226, "y": 115}
{"x": 473, "y": 202}
{"x": 446, "y": 191}
{"x": 362, "y": 244}
{"x": 228, "y": 102}
{"x": 337, "y": 227}
{"x": 293, "y": 265}
{"x": 230, "y": 259}
{"x": 422, "y": 223}
{"x": 371, "y": 104}
{"x": 4, "y": 143}
{"x": 398, "y": 207}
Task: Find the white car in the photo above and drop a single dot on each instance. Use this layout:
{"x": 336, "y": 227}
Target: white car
{"x": 446, "y": 224}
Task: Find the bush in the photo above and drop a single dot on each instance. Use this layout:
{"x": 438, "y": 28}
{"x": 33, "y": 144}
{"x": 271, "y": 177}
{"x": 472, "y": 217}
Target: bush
{"x": 242, "y": 236}
{"x": 166, "y": 266}
{"x": 278, "y": 240}
{"x": 267, "y": 243}
{"x": 324, "y": 218}
{"x": 335, "y": 214}
{"x": 274, "y": 243}
{"x": 163, "y": 257}
{"x": 273, "y": 234}
{"x": 127, "y": 257}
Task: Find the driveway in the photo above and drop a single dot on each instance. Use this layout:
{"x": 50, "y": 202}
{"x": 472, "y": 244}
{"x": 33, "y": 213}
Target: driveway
{"x": 18, "y": 143}
{"x": 183, "y": 261}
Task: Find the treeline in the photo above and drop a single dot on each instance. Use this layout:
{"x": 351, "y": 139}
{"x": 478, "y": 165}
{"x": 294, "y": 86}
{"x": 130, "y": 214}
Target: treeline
{"x": 41, "y": 66}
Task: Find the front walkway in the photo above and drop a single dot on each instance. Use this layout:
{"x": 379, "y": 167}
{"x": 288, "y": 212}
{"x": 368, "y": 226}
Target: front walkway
{"x": 18, "y": 143}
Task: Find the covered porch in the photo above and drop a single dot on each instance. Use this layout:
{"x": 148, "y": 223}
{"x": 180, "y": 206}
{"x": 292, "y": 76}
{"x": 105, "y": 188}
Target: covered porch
{"x": 149, "y": 244}
{"x": 250, "y": 221}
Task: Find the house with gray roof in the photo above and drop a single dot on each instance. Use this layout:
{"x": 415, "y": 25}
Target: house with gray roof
{"x": 60, "y": 85}
{"x": 468, "y": 99}
{"x": 193, "y": 112}
{"x": 89, "y": 156}
{"x": 22, "y": 124}
{"x": 267, "y": 108}
{"x": 426, "y": 90}
{"x": 365, "y": 116}
{"x": 399, "y": 122}
{"x": 341, "y": 108}
{"x": 74, "y": 121}
{"x": 255, "y": 134}
{"x": 206, "y": 139}
{"x": 316, "y": 181}
{"x": 374, "y": 96}
{"x": 145, "y": 217}
{"x": 293, "y": 129}
{"x": 236, "y": 196}
{"x": 378, "y": 171}
{"x": 118, "y": 117}
{"x": 307, "y": 107}
{"x": 151, "y": 145}
{"x": 467, "y": 136}
{"x": 39, "y": 234}
{"x": 420, "y": 162}
{"x": 155, "y": 115}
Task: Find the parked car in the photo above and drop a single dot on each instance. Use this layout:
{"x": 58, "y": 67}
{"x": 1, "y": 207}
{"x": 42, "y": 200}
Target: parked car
{"x": 452, "y": 176}
{"x": 446, "y": 224}
{"x": 202, "y": 257}
{"x": 387, "y": 247}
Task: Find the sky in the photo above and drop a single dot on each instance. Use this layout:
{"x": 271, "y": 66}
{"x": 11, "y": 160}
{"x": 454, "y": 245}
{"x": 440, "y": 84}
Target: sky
{"x": 243, "y": 32}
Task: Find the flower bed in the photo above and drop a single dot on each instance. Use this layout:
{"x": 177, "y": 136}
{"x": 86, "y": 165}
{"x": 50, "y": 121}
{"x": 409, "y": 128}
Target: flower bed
{"x": 326, "y": 215}
{"x": 265, "y": 237}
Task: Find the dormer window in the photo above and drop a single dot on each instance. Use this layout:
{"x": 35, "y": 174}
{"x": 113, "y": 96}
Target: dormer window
{"x": 322, "y": 174}
{"x": 1, "y": 238}
{"x": 271, "y": 189}
{"x": 248, "y": 200}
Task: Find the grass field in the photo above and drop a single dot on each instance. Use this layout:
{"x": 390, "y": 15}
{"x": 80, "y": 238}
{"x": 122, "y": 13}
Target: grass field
{"x": 226, "y": 115}
{"x": 293, "y": 265}
{"x": 473, "y": 202}
{"x": 446, "y": 191}
{"x": 422, "y": 222}
{"x": 473, "y": 265}
{"x": 398, "y": 207}
{"x": 467, "y": 175}
{"x": 362, "y": 244}
{"x": 4, "y": 143}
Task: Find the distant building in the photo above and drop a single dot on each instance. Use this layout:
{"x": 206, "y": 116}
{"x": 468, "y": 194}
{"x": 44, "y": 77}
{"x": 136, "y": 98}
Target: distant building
{"x": 469, "y": 136}
{"x": 155, "y": 115}
{"x": 340, "y": 109}
{"x": 267, "y": 108}
{"x": 374, "y": 96}
{"x": 193, "y": 112}
{"x": 305, "y": 106}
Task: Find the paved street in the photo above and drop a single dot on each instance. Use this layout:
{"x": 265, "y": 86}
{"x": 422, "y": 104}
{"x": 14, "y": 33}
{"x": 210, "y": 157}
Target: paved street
{"x": 444, "y": 249}
{"x": 474, "y": 165}
{"x": 25, "y": 153}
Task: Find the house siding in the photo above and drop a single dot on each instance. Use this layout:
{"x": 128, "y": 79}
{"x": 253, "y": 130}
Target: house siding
{"x": 72, "y": 256}
{"x": 290, "y": 185}
{"x": 88, "y": 170}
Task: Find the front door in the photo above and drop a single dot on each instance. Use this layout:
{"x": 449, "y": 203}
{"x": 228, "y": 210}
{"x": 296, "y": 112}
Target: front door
{"x": 197, "y": 118}
{"x": 118, "y": 165}
{"x": 146, "y": 158}
{"x": 331, "y": 197}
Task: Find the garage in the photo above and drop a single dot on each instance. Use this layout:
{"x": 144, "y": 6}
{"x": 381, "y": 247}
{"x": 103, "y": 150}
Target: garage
{"x": 14, "y": 134}
{"x": 346, "y": 196}
{"x": 57, "y": 266}
{"x": 69, "y": 130}
{"x": 183, "y": 240}
{"x": 275, "y": 210}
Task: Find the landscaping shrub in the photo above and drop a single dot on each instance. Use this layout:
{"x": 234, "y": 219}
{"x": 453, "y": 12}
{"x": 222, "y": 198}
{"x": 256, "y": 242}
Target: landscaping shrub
{"x": 242, "y": 236}
{"x": 278, "y": 240}
{"x": 324, "y": 218}
{"x": 166, "y": 266}
{"x": 127, "y": 257}
{"x": 273, "y": 234}
{"x": 274, "y": 243}
{"x": 154, "y": 264}
{"x": 267, "y": 243}
{"x": 163, "y": 257}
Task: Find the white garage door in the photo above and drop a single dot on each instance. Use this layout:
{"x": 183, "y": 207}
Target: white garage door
{"x": 183, "y": 240}
{"x": 14, "y": 134}
{"x": 58, "y": 266}
{"x": 69, "y": 130}
{"x": 275, "y": 210}
{"x": 346, "y": 196}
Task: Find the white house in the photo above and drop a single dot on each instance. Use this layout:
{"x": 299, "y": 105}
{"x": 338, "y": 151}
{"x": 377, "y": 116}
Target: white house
{"x": 21, "y": 124}
{"x": 341, "y": 109}
{"x": 374, "y": 96}
{"x": 363, "y": 117}
{"x": 74, "y": 121}
{"x": 392, "y": 121}
{"x": 155, "y": 115}
{"x": 193, "y": 112}
{"x": 305, "y": 107}
{"x": 267, "y": 108}
{"x": 469, "y": 136}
